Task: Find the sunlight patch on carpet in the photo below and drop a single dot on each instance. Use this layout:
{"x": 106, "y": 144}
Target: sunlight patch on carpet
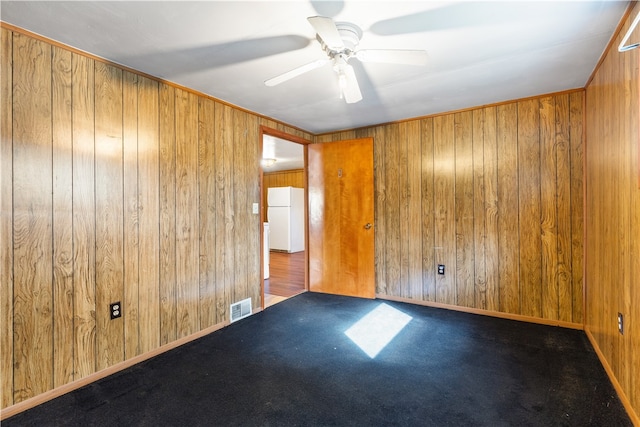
{"x": 377, "y": 328}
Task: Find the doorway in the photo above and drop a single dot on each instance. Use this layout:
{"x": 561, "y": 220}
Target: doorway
{"x": 283, "y": 210}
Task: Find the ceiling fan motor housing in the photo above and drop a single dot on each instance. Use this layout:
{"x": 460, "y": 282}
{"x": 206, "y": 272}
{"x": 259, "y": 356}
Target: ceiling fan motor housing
{"x": 350, "y": 33}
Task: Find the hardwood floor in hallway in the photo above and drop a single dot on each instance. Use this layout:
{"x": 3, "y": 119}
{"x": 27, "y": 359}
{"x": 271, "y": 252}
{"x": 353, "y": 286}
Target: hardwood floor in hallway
{"x": 286, "y": 276}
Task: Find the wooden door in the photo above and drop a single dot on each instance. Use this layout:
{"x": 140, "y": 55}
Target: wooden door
{"x": 341, "y": 229}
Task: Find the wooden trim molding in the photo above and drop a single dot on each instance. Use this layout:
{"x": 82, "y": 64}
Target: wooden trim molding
{"x": 508, "y": 316}
{"x": 635, "y": 419}
{"x": 265, "y": 130}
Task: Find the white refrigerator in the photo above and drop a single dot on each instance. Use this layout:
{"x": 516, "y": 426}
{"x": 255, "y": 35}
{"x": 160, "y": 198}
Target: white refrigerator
{"x": 285, "y": 213}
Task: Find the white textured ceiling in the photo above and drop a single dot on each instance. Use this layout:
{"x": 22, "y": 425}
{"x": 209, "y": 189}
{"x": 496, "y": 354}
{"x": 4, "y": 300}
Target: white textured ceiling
{"x": 479, "y": 52}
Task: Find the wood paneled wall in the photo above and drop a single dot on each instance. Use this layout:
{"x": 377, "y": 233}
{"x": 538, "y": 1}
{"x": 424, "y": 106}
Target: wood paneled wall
{"x": 288, "y": 178}
{"x": 613, "y": 212}
{"x": 496, "y": 195}
{"x": 115, "y": 187}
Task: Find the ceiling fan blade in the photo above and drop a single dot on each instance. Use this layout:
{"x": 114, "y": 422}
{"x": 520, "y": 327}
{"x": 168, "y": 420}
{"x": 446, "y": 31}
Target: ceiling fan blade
{"x": 351, "y": 89}
{"x": 295, "y": 72}
{"x": 393, "y": 56}
{"x": 328, "y": 32}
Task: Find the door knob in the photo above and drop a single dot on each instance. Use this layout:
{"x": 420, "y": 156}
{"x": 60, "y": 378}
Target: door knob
{"x": 367, "y": 226}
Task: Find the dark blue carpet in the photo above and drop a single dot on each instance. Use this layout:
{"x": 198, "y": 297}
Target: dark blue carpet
{"x": 293, "y": 365}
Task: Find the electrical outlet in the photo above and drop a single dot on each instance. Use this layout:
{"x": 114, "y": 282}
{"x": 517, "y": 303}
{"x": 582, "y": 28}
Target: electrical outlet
{"x": 116, "y": 310}
{"x": 621, "y": 323}
{"x": 440, "y": 268}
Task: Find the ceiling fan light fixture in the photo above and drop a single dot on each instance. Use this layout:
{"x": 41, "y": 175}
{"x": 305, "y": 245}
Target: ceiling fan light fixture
{"x": 339, "y": 41}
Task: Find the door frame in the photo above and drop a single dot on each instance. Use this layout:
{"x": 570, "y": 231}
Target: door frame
{"x": 265, "y": 130}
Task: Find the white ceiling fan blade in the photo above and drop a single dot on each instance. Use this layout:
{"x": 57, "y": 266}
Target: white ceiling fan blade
{"x": 295, "y": 72}
{"x": 328, "y": 32}
{"x": 351, "y": 89}
{"x": 393, "y": 56}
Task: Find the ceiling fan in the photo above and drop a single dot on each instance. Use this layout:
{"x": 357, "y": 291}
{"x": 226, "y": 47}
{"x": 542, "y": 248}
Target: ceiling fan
{"x": 339, "y": 40}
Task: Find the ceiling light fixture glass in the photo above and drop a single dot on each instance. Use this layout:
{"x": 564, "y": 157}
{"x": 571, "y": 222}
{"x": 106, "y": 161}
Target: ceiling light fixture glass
{"x": 339, "y": 66}
{"x": 267, "y": 163}
{"x": 342, "y": 83}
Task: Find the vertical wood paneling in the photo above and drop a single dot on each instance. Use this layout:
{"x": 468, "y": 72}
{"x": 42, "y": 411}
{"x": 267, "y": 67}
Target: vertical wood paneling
{"x": 324, "y": 138}
{"x": 109, "y": 213}
{"x": 148, "y": 215}
{"x": 403, "y": 210}
{"x": 242, "y": 206}
{"x": 626, "y": 179}
{"x": 548, "y": 208}
{"x": 508, "y": 188}
{"x": 464, "y": 271}
{"x": 428, "y": 209}
{"x": 6, "y": 218}
{"x": 414, "y": 185}
{"x": 224, "y": 216}
{"x": 187, "y": 228}
{"x": 601, "y": 189}
{"x": 631, "y": 292}
{"x": 131, "y": 247}
{"x": 576, "y": 156}
{"x": 84, "y": 220}
{"x": 444, "y": 196}
{"x": 346, "y": 134}
{"x": 490, "y": 157}
{"x": 608, "y": 189}
{"x": 32, "y": 226}
{"x": 62, "y": 218}
{"x": 632, "y": 388}
{"x": 380, "y": 185}
{"x": 168, "y": 314}
{"x": 563, "y": 276}
{"x": 392, "y": 209}
{"x": 529, "y": 204}
{"x": 207, "y": 197}
{"x": 292, "y": 178}
{"x": 229, "y": 218}
{"x": 612, "y": 206}
{"x": 479, "y": 211}
{"x": 220, "y": 200}
{"x": 592, "y": 217}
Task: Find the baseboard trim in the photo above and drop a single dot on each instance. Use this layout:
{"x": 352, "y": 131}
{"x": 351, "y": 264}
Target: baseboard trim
{"x": 509, "y": 316}
{"x": 635, "y": 419}
{"x": 74, "y": 385}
